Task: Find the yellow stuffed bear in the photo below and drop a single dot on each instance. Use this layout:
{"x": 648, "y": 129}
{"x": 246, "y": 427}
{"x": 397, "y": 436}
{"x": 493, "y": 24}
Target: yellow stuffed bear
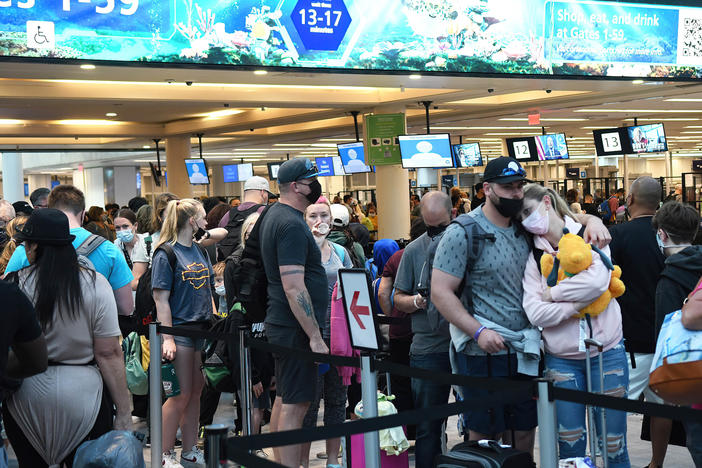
{"x": 574, "y": 256}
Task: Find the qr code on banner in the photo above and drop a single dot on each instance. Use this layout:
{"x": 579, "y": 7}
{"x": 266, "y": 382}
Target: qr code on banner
{"x": 691, "y": 37}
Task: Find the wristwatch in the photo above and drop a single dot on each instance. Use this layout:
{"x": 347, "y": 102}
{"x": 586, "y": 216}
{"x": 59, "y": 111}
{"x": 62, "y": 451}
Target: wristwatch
{"x": 207, "y": 234}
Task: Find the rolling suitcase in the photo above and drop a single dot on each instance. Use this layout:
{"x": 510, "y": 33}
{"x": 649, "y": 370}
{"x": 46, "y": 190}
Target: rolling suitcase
{"x": 593, "y": 443}
{"x": 483, "y": 454}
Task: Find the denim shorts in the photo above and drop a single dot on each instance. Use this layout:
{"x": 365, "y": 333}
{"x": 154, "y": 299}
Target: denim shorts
{"x": 197, "y": 343}
{"x": 519, "y": 416}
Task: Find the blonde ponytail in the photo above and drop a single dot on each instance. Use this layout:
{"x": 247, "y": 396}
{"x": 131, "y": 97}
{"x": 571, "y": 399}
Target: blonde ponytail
{"x": 537, "y": 193}
{"x": 175, "y": 217}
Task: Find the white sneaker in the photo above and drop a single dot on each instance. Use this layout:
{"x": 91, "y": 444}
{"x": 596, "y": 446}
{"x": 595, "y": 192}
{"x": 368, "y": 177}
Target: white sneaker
{"x": 193, "y": 458}
{"x": 169, "y": 460}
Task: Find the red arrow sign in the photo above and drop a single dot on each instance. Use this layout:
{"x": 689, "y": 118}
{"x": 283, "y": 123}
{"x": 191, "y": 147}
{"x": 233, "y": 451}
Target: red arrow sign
{"x": 357, "y": 310}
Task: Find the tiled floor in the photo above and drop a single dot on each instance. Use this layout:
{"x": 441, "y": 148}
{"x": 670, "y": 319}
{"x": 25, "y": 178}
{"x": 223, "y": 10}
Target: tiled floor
{"x": 639, "y": 451}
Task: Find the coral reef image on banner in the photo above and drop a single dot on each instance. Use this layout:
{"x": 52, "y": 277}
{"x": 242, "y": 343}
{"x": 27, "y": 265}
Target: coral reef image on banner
{"x": 534, "y": 37}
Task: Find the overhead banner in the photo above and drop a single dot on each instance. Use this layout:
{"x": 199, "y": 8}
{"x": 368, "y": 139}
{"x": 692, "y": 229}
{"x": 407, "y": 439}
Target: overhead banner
{"x": 538, "y": 37}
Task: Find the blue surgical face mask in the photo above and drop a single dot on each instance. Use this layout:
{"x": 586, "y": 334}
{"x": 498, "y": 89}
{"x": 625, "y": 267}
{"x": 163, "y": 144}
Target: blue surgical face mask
{"x": 125, "y": 235}
{"x": 220, "y": 290}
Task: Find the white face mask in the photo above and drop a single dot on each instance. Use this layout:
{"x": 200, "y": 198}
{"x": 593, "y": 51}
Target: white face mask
{"x": 537, "y": 223}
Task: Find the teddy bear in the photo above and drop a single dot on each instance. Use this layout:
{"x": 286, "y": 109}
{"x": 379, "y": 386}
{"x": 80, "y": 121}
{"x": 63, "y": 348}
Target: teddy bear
{"x": 574, "y": 256}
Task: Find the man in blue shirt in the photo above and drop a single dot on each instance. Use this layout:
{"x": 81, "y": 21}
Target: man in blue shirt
{"x": 107, "y": 258}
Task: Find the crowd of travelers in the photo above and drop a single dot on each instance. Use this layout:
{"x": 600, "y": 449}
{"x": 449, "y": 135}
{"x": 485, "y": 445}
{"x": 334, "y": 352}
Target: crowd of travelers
{"x": 72, "y": 278}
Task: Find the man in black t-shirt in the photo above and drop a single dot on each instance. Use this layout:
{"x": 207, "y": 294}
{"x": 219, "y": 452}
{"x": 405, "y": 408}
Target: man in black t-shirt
{"x": 297, "y": 297}
{"x": 635, "y": 250}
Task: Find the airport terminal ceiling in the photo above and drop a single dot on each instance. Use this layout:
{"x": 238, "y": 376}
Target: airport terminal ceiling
{"x": 96, "y": 88}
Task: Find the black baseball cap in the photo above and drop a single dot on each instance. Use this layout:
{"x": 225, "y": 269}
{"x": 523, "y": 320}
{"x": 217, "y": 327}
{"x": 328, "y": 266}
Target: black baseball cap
{"x": 47, "y": 226}
{"x": 296, "y": 169}
{"x": 22, "y": 207}
{"x": 504, "y": 170}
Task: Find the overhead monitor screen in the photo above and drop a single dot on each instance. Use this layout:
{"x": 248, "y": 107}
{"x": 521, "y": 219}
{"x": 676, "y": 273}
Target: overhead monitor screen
{"x": 237, "y": 172}
{"x": 329, "y": 166}
{"x": 647, "y": 138}
{"x": 467, "y": 155}
{"x": 197, "y": 171}
{"x": 432, "y": 150}
{"x": 551, "y": 146}
{"x": 353, "y": 157}
{"x": 273, "y": 170}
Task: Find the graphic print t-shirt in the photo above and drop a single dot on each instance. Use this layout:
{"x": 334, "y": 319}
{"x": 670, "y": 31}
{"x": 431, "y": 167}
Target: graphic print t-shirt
{"x": 191, "y": 296}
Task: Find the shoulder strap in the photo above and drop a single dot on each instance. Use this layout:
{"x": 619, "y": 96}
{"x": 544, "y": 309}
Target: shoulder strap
{"x": 170, "y": 254}
{"x": 89, "y": 245}
{"x": 340, "y": 251}
{"x": 475, "y": 237}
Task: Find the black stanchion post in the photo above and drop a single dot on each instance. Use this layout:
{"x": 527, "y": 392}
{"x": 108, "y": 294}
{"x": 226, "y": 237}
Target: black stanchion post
{"x": 245, "y": 367}
{"x": 215, "y": 445}
{"x": 155, "y": 431}
{"x": 369, "y": 387}
{"x": 546, "y": 409}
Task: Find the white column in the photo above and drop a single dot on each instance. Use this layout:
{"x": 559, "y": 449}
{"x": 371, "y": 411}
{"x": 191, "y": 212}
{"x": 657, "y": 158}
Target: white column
{"x": 36, "y": 181}
{"x": 125, "y": 184}
{"x": 626, "y": 172}
{"x": 12, "y": 177}
{"x": 94, "y": 183}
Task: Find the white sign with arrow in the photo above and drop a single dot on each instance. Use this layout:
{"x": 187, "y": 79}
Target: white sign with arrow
{"x": 355, "y": 288}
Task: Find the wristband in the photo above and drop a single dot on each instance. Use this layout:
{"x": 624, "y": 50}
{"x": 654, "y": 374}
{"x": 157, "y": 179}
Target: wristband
{"x": 207, "y": 233}
{"x": 414, "y": 301}
{"x": 477, "y": 334}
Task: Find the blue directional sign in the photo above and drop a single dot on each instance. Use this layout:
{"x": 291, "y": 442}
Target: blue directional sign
{"x": 321, "y": 24}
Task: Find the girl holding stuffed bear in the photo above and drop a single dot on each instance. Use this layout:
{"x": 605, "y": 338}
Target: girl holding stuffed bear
{"x": 558, "y": 311}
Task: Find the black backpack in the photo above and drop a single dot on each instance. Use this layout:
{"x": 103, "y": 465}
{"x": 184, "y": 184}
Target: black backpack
{"x": 236, "y": 219}
{"x": 144, "y": 305}
{"x": 220, "y": 365}
{"x": 475, "y": 237}
{"x": 245, "y": 277}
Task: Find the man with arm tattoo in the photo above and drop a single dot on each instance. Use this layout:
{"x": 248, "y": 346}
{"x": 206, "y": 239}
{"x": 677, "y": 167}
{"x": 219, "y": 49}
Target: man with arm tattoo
{"x": 297, "y": 297}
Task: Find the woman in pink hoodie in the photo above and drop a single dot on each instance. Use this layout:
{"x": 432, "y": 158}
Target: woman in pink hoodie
{"x": 545, "y": 215}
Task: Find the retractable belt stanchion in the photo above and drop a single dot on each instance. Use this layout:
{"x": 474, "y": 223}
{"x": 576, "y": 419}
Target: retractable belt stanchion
{"x": 215, "y": 440}
{"x": 546, "y": 409}
{"x": 245, "y": 366}
{"x": 156, "y": 430}
{"x": 369, "y": 387}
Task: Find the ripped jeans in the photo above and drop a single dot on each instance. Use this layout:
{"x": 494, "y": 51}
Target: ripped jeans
{"x": 570, "y": 373}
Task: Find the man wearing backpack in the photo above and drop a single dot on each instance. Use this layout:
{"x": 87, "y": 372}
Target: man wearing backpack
{"x": 256, "y": 193}
{"x": 608, "y": 208}
{"x": 429, "y": 348}
{"x": 106, "y": 258}
{"x": 496, "y": 285}
{"x": 297, "y": 296}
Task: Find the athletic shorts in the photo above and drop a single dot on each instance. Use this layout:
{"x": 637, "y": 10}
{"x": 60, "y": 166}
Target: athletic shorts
{"x": 638, "y": 378}
{"x": 295, "y": 378}
{"x": 520, "y": 416}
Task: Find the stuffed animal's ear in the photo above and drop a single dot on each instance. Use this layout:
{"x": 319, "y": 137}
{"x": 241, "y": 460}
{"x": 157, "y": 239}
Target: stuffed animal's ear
{"x": 552, "y": 279}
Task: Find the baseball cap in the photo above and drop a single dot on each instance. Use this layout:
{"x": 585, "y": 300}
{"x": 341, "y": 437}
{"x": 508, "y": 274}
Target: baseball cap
{"x": 504, "y": 170}
{"x": 257, "y": 183}
{"x": 22, "y": 207}
{"x": 47, "y": 226}
{"x": 296, "y": 169}
{"x": 339, "y": 215}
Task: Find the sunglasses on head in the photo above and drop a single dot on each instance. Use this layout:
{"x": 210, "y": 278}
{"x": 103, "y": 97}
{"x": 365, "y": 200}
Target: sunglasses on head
{"x": 508, "y": 171}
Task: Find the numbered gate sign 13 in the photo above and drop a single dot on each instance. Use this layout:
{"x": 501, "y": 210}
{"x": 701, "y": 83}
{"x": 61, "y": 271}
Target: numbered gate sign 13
{"x": 355, "y": 287}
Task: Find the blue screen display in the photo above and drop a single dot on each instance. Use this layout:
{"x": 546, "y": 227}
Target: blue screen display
{"x": 467, "y": 155}
{"x": 138, "y": 181}
{"x": 55, "y": 183}
{"x": 237, "y": 172}
{"x": 353, "y": 157}
{"x": 197, "y": 171}
{"x": 26, "y": 190}
{"x": 648, "y": 138}
{"x": 329, "y": 166}
{"x": 432, "y": 150}
{"x": 552, "y": 146}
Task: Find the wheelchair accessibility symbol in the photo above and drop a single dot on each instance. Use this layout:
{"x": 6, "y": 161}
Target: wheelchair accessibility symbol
{"x": 40, "y": 35}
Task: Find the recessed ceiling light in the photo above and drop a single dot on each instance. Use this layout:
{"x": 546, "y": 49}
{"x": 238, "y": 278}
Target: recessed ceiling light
{"x": 146, "y": 147}
{"x": 88, "y": 66}
{"x": 111, "y": 114}
{"x": 260, "y": 72}
{"x": 10, "y": 122}
{"x": 86, "y": 122}
{"x": 415, "y": 76}
{"x": 644, "y": 111}
{"x": 638, "y": 82}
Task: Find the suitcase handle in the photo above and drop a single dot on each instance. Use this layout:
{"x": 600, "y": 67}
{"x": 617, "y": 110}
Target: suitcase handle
{"x": 487, "y": 444}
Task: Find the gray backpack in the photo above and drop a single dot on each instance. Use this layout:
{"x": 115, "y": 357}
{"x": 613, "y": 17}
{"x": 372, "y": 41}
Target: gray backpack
{"x": 87, "y": 247}
{"x": 475, "y": 237}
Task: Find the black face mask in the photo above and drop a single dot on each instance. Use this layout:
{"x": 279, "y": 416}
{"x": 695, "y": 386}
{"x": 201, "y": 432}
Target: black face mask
{"x": 509, "y": 207}
{"x": 315, "y": 192}
{"x": 433, "y": 231}
{"x": 199, "y": 233}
